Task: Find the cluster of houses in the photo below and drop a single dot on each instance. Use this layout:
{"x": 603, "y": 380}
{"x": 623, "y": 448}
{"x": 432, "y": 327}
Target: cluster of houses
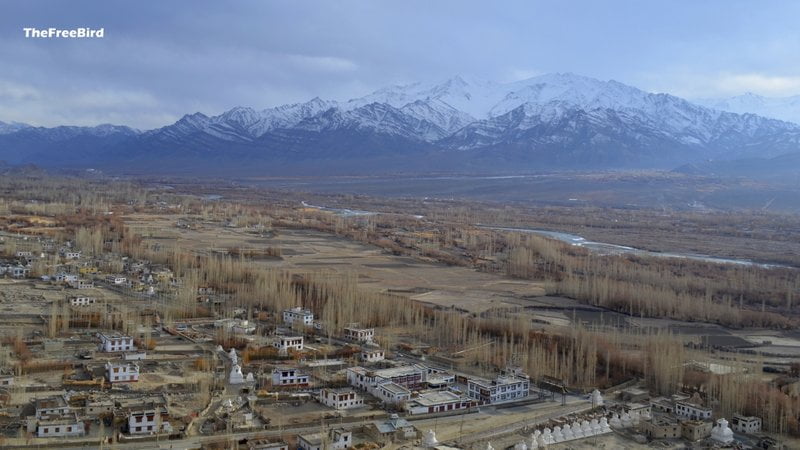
{"x": 80, "y": 272}
{"x": 71, "y": 414}
{"x": 411, "y": 388}
{"x": 679, "y": 417}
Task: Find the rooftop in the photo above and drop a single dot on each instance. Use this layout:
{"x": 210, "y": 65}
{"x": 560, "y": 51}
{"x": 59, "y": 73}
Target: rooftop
{"x": 393, "y": 372}
{"x": 51, "y": 402}
{"x": 59, "y": 419}
{"x": 430, "y": 398}
{"x": 663, "y": 420}
{"x": 395, "y": 388}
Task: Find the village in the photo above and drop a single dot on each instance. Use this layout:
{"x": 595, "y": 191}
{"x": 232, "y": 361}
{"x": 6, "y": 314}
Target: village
{"x": 87, "y": 359}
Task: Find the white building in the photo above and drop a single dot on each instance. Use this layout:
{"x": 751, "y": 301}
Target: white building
{"x": 115, "y": 343}
{"x": 286, "y": 343}
{"x": 440, "y": 380}
{"x": 505, "y": 388}
{"x": 341, "y": 398}
{"x": 298, "y": 316}
{"x": 24, "y": 254}
{"x": 72, "y": 255}
{"x": 82, "y": 301}
{"x": 51, "y": 406}
{"x": 144, "y": 422}
{"x": 372, "y": 355}
{"x": 81, "y": 284}
{"x": 391, "y": 393}
{"x": 410, "y": 377}
{"x": 746, "y": 424}
{"x": 63, "y": 277}
{"x": 288, "y": 376}
{"x": 333, "y": 440}
{"x": 691, "y": 411}
{"x": 122, "y": 372}
{"x": 54, "y": 418}
{"x": 19, "y": 271}
{"x": 116, "y": 279}
{"x": 364, "y": 335}
{"x": 430, "y": 402}
{"x": 60, "y": 425}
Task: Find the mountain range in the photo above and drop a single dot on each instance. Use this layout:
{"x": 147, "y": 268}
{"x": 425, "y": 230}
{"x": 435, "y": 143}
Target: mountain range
{"x": 549, "y": 122}
{"x": 783, "y": 108}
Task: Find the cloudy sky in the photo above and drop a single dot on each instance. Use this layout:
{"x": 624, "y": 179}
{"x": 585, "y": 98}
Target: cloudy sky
{"x": 161, "y": 59}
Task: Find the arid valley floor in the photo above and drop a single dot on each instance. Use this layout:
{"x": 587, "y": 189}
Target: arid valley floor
{"x": 254, "y": 318}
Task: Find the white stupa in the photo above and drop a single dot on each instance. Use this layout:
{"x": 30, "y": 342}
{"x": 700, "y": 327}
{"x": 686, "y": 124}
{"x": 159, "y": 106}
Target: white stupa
{"x": 577, "y": 431}
{"x": 558, "y": 436}
{"x": 615, "y": 422}
{"x": 489, "y": 446}
{"x": 236, "y": 376}
{"x": 233, "y": 357}
{"x": 429, "y": 440}
{"x": 546, "y": 438}
{"x": 604, "y": 426}
{"x": 597, "y": 398}
{"x": 595, "y": 425}
{"x": 535, "y": 439}
{"x": 521, "y": 446}
{"x": 250, "y": 377}
{"x": 567, "y": 432}
{"x": 721, "y": 432}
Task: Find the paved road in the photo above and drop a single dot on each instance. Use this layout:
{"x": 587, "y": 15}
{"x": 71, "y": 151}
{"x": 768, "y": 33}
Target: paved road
{"x": 536, "y": 413}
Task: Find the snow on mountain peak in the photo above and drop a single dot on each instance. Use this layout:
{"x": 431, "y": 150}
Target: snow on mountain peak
{"x": 782, "y": 108}
{"x": 12, "y": 127}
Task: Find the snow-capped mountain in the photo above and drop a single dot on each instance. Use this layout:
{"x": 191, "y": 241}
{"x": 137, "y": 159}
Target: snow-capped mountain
{"x": 12, "y": 127}
{"x": 548, "y": 121}
{"x": 783, "y": 108}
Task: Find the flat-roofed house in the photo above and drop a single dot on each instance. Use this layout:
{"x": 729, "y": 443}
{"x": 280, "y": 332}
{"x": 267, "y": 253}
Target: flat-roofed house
{"x": 392, "y": 393}
{"x": 286, "y": 343}
{"x": 298, "y": 316}
{"x": 115, "y": 343}
{"x": 289, "y": 377}
{"x": 745, "y": 424}
{"x": 364, "y": 335}
{"x": 122, "y": 372}
{"x": 508, "y": 387}
{"x": 430, "y": 402}
{"x": 692, "y": 411}
{"x": 372, "y": 355}
{"x": 341, "y": 398}
{"x": 335, "y": 439}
